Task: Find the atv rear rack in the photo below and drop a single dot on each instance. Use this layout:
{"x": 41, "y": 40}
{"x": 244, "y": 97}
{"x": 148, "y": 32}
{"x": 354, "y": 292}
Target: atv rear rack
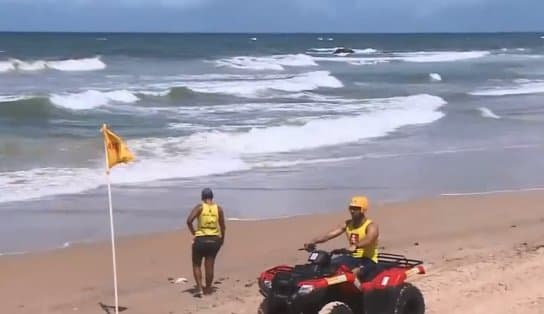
{"x": 398, "y": 260}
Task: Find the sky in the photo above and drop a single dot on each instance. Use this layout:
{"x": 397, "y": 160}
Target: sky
{"x": 253, "y": 16}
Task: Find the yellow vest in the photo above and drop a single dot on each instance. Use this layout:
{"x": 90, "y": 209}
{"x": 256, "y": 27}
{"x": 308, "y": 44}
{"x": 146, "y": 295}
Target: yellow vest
{"x": 355, "y": 235}
{"x": 208, "y": 221}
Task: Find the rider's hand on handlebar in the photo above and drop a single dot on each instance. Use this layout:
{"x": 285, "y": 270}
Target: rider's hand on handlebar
{"x": 352, "y": 248}
{"x": 309, "y": 246}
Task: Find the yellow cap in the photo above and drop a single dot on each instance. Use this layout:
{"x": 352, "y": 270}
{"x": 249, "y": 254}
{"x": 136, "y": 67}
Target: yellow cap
{"x": 359, "y": 201}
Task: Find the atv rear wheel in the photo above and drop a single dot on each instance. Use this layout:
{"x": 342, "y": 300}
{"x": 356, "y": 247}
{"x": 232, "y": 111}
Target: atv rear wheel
{"x": 409, "y": 300}
{"x": 335, "y": 308}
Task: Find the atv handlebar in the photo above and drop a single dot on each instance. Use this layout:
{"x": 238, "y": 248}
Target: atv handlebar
{"x": 342, "y": 251}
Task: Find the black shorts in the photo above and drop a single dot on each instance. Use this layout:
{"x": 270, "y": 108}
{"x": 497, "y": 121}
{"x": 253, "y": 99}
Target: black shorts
{"x": 354, "y": 262}
{"x": 205, "y": 246}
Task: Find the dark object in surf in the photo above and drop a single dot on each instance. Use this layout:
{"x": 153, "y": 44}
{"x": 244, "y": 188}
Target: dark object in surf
{"x": 343, "y": 50}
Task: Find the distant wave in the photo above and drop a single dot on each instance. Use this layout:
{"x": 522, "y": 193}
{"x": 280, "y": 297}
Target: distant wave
{"x": 71, "y": 65}
{"x": 13, "y": 98}
{"x": 257, "y": 88}
{"x": 416, "y": 57}
{"x": 399, "y": 111}
{"x": 523, "y": 87}
{"x": 91, "y": 99}
{"x": 277, "y": 63}
{"x": 441, "y": 56}
{"x": 292, "y": 86}
{"x": 487, "y": 113}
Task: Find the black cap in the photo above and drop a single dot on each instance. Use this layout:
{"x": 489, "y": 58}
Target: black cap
{"x": 207, "y": 194}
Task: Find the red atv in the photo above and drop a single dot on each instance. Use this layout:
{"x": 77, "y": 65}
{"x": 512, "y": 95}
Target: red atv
{"x": 321, "y": 286}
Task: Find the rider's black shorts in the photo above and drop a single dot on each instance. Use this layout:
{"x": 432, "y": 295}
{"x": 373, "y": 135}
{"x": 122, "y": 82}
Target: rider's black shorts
{"x": 353, "y": 262}
{"x": 205, "y": 246}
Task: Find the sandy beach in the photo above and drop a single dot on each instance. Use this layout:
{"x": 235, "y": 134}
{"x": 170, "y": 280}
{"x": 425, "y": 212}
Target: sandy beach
{"x": 484, "y": 253}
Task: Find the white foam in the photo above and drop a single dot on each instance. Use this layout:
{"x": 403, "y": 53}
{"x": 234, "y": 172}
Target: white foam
{"x": 253, "y": 38}
{"x": 28, "y": 184}
{"x": 6, "y": 66}
{"x": 365, "y": 51}
{"x": 302, "y": 82}
{"x": 418, "y": 57}
{"x": 91, "y": 99}
{"x": 440, "y": 56}
{"x": 524, "y": 87}
{"x": 435, "y": 77}
{"x": 290, "y": 163}
{"x": 209, "y": 153}
{"x": 10, "y": 98}
{"x": 156, "y": 93}
{"x": 29, "y": 66}
{"x": 388, "y": 115}
{"x": 487, "y": 113}
{"x": 157, "y": 165}
{"x": 87, "y": 64}
{"x": 276, "y": 63}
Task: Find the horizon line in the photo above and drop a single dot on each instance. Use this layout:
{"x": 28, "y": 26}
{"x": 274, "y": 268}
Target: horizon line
{"x": 267, "y": 32}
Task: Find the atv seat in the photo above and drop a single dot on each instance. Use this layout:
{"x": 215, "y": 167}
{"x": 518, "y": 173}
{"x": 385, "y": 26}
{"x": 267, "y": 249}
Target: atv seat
{"x": 386, "y": 261}
{"x": 314, "y": 271}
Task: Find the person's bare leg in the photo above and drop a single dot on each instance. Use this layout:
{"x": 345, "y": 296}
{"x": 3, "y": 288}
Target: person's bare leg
{"x": 197, "y": 273}
{"x": 209, "y": 263}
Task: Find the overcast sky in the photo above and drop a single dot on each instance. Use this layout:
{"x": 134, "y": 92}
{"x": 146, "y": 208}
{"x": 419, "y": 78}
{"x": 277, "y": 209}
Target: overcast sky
{"x": 272, "y": 15}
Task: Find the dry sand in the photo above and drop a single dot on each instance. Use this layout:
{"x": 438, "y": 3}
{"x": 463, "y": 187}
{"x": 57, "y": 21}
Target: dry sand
{"x": 485, "y": 254}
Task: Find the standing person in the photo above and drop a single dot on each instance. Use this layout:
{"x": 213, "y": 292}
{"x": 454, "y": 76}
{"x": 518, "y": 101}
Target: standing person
{"x": 209, "y": 236}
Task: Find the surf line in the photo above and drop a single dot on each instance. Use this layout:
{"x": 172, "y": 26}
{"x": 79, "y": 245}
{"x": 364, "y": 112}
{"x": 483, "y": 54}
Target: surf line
{"x": 494, "y": 191}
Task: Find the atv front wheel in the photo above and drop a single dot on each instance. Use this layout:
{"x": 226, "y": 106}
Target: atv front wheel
{"x": 264, "y": 308}
{"x": 409, "y": 300}
{"x": 335, "y": 308}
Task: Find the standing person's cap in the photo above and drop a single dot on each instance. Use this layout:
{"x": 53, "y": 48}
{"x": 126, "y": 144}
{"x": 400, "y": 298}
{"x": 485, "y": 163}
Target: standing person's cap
{"x": 207, "y": 194}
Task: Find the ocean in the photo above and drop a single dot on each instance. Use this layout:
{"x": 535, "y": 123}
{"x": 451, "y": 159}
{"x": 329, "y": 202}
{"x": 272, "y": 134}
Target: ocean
{"x": 277, "y": 124}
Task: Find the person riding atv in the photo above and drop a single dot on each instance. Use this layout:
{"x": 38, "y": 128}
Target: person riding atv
{"x": 362, "y": 235}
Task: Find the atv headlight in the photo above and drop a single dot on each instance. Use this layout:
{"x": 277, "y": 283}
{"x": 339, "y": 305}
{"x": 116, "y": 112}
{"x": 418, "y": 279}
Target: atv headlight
{"x": 305, "y": 289}
{"x": 267, "y": 284}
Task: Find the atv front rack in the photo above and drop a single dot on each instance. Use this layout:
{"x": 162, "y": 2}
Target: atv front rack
{"x": 398, "y": 260}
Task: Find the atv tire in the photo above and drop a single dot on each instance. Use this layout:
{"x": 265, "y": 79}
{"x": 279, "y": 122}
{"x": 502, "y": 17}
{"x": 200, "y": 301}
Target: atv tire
{"x": 336, "y": 308}
{"x": 265, "y": 308}
{"x": 408, "y": 300}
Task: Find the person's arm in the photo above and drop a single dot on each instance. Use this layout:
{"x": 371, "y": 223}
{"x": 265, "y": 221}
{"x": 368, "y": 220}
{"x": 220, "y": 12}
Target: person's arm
{"x": 329, "y": 235}
{"x": 372, "y": 233}
{"x": 222, "y": 224}
{"x": 192, "y": 216}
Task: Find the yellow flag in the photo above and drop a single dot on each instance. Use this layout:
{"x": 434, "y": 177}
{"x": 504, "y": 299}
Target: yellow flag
{"x": 116, "y": 150}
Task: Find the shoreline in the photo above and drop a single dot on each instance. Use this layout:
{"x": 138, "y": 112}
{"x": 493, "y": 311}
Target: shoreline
{"x": 105, "y": 239}
{"x": 464, "y": 241}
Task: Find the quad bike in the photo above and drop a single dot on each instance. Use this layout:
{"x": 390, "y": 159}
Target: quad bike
{"x": 321, "y": 286}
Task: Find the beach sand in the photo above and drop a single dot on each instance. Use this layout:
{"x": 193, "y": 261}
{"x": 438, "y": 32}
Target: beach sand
{"x": 484, "y": 253}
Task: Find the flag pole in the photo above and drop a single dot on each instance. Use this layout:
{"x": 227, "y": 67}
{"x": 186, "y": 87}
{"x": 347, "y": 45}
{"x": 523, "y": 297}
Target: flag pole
{"x": 111, "y": 224}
